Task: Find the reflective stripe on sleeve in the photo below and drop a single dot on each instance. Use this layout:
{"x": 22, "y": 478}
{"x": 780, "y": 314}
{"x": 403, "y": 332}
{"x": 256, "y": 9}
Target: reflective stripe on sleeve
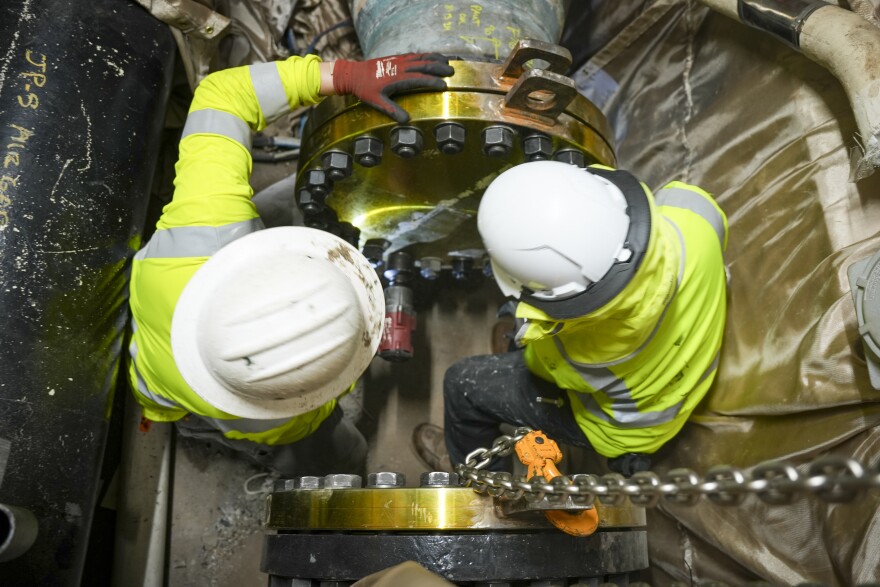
{"x": 625, "y": 412}
{"x": 195, "y": 241}
{"x": 269, "y": 90}
{"x": 142, "y": 385}
{"x": 682, "y": 198}
{"x": 629, "y": 416}
{"x": 217, "y": 122}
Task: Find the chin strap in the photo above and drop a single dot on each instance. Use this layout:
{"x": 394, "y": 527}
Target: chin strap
{"x": 621, "y": 273}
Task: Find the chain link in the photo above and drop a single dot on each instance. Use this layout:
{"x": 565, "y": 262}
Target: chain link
{"x": 833, "y": 479}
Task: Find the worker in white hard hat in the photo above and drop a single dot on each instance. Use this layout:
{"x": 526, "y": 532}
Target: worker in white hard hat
{"x": 246, "y": 336}
{"x": 620, "y": 306}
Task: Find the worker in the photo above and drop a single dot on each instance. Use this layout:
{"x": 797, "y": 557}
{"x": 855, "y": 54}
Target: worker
{"x": 246, "y": 336}
{"x": 621, "y": 305}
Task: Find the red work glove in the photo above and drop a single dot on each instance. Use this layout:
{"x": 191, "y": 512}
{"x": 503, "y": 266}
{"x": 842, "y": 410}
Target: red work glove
{"x": 374, "y": 80}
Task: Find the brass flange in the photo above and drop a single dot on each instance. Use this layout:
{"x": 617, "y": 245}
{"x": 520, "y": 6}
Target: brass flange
{"x": 420, "y": 184}
{"x": 414, "y": 508}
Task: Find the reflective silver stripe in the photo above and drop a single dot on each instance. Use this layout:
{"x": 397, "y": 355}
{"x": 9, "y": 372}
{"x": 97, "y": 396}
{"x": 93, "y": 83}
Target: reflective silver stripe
{"x": 142, "y": 385}
{"x": 681, "y": 264}
{"x": 218, "y": 122}
{"x": 697, "y": 203}
{"x": 245, "y": 425}
{"x": 195, "y": 241}
{"x": 269, "y": 90}
{"x": 629, "y": 416}
{"x": 625, "y": 412}
{"x": 712, "y": 366}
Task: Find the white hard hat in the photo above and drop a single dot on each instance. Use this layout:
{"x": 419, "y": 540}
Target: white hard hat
{"x": 552, "y": 228}
{"x": 278, "y": 322}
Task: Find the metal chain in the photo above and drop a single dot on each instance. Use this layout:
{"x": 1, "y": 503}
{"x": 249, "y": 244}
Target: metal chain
{"x": 833, "y": 479}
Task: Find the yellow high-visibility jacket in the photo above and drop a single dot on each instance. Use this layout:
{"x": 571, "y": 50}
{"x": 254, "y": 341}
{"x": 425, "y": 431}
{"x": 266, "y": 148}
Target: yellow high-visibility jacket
{"x": 635, "y": 368}
{"x": 211, "y": 207}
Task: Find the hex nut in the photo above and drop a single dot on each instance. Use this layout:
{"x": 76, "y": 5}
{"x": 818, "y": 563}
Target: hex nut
{"x": 282, "y": 485}
{"x": 308, "y": 482}
{"x": 497, "y": 141}
{"x": 406, "y": 141}
{"x": 385, "y": 479}
{"x": 461, "y": 269}
{"x": 450, "y": 137}
{"x": 439, "y": 479}
{"x": 342, "y": 481}
{"x": 570, "y": 156}
{"x": 309, "y": 203}
{"x": 337, "y": 165}
{"x": 430, "y": 267}
{"x": 318, "y": 183}
{"x": 368, "y": 151}
{"x": 537, "y": 147}
{"x": 374, "y": 250}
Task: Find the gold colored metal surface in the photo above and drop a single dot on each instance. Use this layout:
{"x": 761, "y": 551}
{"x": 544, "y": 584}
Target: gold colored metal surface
{"x": 423, "y": 508}
{"x": 428, "y": 202}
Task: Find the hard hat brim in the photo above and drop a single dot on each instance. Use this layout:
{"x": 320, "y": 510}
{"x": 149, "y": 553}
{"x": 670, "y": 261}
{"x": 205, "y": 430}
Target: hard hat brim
{"x": 293, "y": 240}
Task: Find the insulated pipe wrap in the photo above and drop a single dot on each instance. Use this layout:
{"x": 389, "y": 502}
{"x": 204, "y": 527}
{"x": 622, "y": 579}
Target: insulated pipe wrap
{"x": 487, "y": 29}
{"x": 783, "y": 19}
{"x": 83, "y": 89}
{"x": 838, "y": 39}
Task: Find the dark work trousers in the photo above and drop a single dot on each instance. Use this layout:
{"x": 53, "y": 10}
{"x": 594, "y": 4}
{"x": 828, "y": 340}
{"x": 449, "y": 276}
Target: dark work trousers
{"x": 480, "y": 393}
{"x": 335, "y": 447}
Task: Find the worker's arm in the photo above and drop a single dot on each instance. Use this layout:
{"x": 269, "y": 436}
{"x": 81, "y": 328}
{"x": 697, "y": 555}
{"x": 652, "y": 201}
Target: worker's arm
{"x": 213, "y": 171}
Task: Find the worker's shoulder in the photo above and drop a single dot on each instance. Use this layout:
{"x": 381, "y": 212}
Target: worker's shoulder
{"x": 677, "y": 195}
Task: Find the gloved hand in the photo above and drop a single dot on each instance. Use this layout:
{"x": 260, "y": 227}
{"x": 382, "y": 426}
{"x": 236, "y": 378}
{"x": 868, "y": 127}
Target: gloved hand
{"x": 374, "y": 80}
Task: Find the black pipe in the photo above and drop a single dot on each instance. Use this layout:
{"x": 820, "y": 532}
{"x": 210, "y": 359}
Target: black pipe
{"x": 83, "y": 88}
{"x": 18, "y": 531}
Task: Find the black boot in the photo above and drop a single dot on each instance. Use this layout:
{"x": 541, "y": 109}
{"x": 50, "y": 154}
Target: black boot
{"x": 630, "y": 463}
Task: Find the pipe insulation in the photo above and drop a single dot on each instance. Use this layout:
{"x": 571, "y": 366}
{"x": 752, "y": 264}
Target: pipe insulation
{"x": 841, "y": 41}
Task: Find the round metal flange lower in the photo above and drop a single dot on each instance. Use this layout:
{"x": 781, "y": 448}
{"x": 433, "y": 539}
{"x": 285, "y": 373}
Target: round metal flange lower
{"x": 483, "y": 557}
{"x": 415, "y": 508}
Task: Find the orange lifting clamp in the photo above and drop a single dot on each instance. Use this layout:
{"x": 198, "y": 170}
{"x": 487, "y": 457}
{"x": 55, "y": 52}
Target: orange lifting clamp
{"x": 540, "y": 454}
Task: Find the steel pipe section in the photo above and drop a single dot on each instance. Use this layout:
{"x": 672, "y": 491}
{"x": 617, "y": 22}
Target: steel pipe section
{"x": 462, "y": 28}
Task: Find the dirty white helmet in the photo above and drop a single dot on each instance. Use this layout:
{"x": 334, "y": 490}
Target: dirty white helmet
{"x": 278, "y": 322}
{"x": 552, "y": 229}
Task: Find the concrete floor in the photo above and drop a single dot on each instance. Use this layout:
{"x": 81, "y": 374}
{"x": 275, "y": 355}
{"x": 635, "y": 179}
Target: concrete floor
{"x": 216, "y": 533}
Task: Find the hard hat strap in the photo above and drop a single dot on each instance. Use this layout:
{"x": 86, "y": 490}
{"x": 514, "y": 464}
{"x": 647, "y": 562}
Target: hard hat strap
{"x": 621, "y": 273}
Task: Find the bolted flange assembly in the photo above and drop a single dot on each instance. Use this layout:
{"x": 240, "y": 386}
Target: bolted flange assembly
{"x": 419, "y": 185}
